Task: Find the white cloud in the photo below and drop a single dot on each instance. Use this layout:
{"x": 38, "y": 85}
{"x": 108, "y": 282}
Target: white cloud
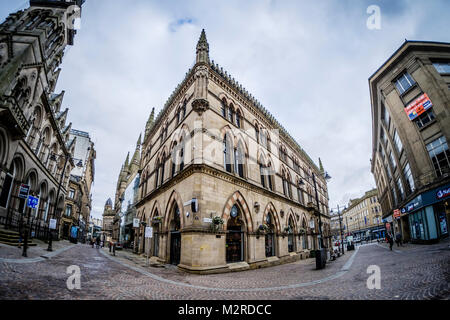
{"x": 307, "y": 62}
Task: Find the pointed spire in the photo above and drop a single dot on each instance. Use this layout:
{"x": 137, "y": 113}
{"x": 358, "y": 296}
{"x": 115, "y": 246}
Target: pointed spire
{"x": 202, "y": 49}
{"x": 321, "y": 166}
{"x": 139, "y": 142}
{"x": 127, "y": 160}
{"x": 149, "y": 124}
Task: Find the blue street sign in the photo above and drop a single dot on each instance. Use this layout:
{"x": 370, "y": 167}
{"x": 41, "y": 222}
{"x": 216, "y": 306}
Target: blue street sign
{"x": 32, "y": 202}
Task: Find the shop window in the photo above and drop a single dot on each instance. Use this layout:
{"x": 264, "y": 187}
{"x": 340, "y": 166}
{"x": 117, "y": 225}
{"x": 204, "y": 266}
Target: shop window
{"x": 440, "y": 155}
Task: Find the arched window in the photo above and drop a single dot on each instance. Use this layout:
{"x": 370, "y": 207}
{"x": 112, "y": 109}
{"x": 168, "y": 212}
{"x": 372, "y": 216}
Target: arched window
{"x": 163, "y": 164}
{"x": 156, "y": 235}
{"x": 305, "y": 236}
{"x": 181, "y": 155}
{"x": 156, "y": 174}
{"x": 285, "y": 184}
{"x": 183, "y": 109}
{"x": 270, "y": 176}
{"x": 231, "y": 113}
{"x": 238, "y": 118}
{"x": 178, "y": 116}
{"x": 257, "y": 133}
{"x": 299, "y": 193}
{"x": 227, "y": 154}
{"x": 262, "y": 172}
{"x": 239, "y": 160}
{"x": 224, "y": 108}
{"x": 291, "y": 242}
{"x": 174, "y": 159}
{"x": 270, "y": 236}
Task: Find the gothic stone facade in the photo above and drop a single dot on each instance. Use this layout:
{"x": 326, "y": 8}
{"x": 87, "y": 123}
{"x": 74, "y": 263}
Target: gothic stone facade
{"x": 32, "y": 123}
{"x": 215, "y": 143}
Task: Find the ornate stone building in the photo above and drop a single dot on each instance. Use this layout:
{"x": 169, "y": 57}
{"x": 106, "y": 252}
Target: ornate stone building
{"x": 34, "y": 134}
{"x": 410, "y": 100}
{"x": 215, "y": 154}
{"x": 363, "y": 216}
{"x": 108, "y": 218}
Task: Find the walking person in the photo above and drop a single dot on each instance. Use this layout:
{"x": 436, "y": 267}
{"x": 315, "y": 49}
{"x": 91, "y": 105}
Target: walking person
{"x": 398, "y": 239}
{"x": 390, "y": 240}
{"x": 97, "y": 242}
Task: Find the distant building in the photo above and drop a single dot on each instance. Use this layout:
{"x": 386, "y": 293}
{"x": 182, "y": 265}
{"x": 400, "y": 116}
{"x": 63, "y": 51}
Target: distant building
{"x": 363, "y": 217}
{"x": 410, "y": 98}
{"x": 77, "y": 208}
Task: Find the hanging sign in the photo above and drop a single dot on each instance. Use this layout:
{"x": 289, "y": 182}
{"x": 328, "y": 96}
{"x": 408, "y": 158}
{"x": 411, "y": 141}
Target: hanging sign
{"x": 418, "y": 106}
{"x": 397, "y": 213}
{"x": 135, "y": 223}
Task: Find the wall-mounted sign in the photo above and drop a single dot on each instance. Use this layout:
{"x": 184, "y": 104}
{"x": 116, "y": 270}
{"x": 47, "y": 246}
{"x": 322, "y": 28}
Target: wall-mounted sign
{"x": 135, "y": 223}
{"x": 24, "y": 190}
{"x": 418, "y": 106}
{"x": 440, "y": 194}
{"x": 208, "y": 220}
{"x": 413, "y": 205}
{"x": 148, "y": 232}
{"x": 397, "y": 213}
{"x": 52, "y": 224}
{"x": 32, "y": 202}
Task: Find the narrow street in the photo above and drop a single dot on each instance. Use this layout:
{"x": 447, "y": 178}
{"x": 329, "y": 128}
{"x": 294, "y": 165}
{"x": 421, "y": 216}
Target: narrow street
{"x": 410, "y": 272}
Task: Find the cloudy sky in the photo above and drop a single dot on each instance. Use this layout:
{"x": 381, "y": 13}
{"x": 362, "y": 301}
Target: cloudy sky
{"x": 307, "y": 62}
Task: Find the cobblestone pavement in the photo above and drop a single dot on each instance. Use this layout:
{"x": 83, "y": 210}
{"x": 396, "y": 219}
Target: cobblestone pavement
{"x": 12, "y": 252}
{"x": 412, "y": 272}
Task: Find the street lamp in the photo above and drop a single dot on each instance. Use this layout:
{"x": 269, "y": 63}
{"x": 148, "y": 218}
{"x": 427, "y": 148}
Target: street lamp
{"x": 320, "y": 261}
{"x": 53, "y": 158}
{"x": 340, "y": 226}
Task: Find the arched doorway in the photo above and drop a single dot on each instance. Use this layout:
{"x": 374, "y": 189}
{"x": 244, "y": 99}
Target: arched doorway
{"x": 235, "y": 236}
{"x": 175, "y": 236}
{"x": 270, "y": 235}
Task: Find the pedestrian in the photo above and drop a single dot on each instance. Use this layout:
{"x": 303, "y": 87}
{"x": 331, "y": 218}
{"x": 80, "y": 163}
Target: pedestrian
{"x": 92, "y": 242}
{"x": 398, "y": 239}
{"x": 97, "y": 242}
{"x": 390, "y": 240}
{"x": 20, "y": 239}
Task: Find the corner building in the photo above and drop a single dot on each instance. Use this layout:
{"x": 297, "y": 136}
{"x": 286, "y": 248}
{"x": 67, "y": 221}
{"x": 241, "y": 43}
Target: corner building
{"x": 214, "y": 152}
{"x": 410, "y": 100}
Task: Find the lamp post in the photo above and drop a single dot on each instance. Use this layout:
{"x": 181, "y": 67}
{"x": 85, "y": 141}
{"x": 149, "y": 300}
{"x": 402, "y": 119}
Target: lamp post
{"x": 340, "y": 227}
{"x": 320, "y": 259}
{"x": 53, "y": 158}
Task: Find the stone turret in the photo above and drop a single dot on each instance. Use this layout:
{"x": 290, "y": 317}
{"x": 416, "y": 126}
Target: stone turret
{"x": 200, "y": 103}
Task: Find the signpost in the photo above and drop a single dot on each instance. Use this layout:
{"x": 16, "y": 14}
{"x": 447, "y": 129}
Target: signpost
{"x": 148, "y": 235}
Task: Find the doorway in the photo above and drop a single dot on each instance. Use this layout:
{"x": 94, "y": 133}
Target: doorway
{"x": 175, "y": 247}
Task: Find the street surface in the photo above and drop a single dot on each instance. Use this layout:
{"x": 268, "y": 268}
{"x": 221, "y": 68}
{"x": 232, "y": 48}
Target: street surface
{"x": 410, "y": 272}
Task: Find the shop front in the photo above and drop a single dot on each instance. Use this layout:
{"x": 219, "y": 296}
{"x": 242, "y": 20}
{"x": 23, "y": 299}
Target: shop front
{"x": 427, "y": 215}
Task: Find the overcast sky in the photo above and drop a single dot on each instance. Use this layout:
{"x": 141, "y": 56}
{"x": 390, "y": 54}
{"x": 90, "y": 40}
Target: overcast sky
{"x": 307, "y": 62}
